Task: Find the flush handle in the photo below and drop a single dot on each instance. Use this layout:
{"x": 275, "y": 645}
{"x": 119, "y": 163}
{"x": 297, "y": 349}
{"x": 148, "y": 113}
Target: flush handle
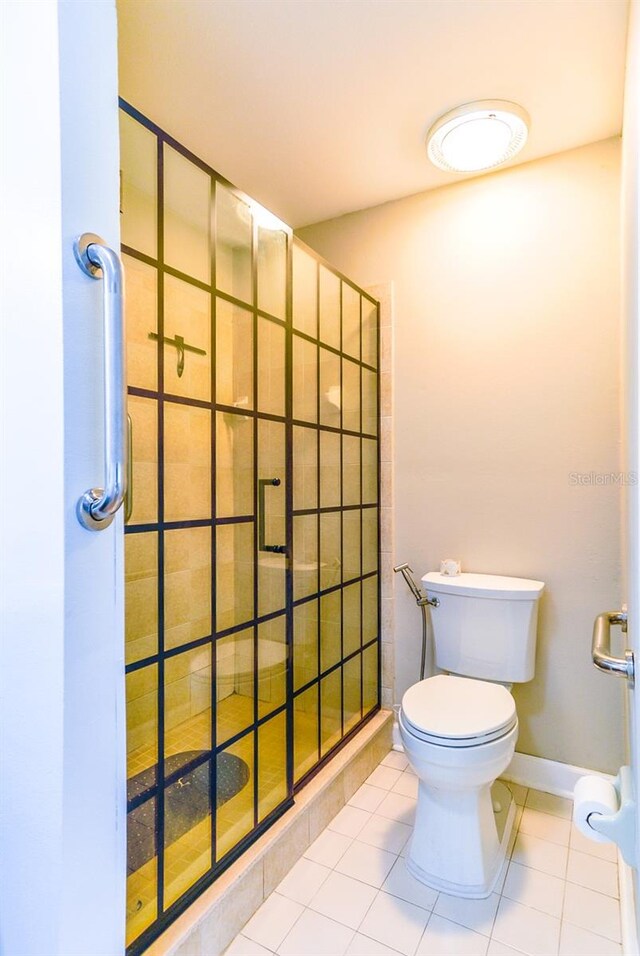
{"x": 603, "y": 659}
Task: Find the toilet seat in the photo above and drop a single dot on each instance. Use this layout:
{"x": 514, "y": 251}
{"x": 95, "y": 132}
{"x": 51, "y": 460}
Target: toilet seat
{"x": 458, "y": 711}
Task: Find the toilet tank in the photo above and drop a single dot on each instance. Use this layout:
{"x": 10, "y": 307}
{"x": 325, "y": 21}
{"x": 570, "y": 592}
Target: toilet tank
{"x": 485, "y": 625}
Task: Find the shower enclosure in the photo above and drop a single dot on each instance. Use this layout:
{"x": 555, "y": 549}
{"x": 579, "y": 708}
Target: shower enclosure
{"x": 252, "y": 584}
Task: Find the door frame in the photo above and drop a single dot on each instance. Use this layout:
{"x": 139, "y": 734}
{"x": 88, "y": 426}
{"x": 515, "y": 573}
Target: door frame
{"x": 62, "y": 819}
{"x": 630, "y": 201}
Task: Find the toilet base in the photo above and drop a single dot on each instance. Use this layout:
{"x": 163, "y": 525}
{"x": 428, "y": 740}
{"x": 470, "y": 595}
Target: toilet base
{"x": 504, "y": 818}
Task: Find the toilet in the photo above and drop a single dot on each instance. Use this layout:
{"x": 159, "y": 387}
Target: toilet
{"x": 459, "y": 729}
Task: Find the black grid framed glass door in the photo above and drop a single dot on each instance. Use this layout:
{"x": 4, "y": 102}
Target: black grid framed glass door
{"x": 252, "y": 652}
{"x": 335, "y": 509}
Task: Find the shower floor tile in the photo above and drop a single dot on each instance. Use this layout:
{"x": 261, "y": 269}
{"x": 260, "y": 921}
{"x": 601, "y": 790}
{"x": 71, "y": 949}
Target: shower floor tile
{"x": 558, "y": 896}
{"x": 187, "y": 858}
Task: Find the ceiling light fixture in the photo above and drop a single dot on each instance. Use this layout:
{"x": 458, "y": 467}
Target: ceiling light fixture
{"x": 477, "y": 136}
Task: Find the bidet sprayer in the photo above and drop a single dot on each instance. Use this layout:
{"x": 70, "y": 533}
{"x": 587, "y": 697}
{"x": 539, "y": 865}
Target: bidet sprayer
{"x": 421, "y": 599}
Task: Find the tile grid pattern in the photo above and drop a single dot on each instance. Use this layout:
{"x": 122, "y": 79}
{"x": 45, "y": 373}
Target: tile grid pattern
{"x": 211, "y": 614}
{"x": 557, "y": 894}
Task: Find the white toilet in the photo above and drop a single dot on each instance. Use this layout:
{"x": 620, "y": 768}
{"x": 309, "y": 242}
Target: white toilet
{"x": 459, "y": 732}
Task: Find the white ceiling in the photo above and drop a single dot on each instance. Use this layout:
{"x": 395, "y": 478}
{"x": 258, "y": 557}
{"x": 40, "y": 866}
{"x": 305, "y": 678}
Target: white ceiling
{"x": 320, "y": 107}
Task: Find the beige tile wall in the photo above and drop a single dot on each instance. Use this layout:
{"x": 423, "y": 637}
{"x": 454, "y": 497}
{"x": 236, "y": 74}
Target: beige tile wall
{"x": 187, "y": 312}
{"x": 272, "y": 271}
{"x": 141, "y": 292}
{"x": 186, "y": 216}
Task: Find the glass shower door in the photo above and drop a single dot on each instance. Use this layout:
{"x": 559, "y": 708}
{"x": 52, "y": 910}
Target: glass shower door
{"x": 335, "y": 509}
{"x": 207, "y": 533}
{"x": 251, "y": 539}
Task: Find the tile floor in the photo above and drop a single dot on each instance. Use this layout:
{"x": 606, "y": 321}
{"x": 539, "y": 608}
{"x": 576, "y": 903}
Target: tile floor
{"x": 351, "y": 894}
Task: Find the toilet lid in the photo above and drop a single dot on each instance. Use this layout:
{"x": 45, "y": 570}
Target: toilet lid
{"x": 458, "y": 708}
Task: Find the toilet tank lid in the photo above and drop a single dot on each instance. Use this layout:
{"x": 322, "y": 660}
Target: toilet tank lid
{"x": 494, "y": 586}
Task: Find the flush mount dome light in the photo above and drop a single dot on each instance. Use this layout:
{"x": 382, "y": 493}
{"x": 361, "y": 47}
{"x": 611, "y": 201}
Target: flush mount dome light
{"x": 477, "y": 136}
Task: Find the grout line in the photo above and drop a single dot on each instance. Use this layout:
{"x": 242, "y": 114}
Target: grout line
{"x": 367, "y": 912}
{"x": 500, "y": 897}
{"x": 564, "y": 889}
{"x": 432, "y": 910}
{"x": 554, "y": 816}
{"x": 584, "y": 929}
{"x": 296, "y": 920}
{"x": 374, "y": 940}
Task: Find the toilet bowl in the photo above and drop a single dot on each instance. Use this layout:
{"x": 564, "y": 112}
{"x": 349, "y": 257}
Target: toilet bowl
{"x": 459, "y": 729}
{"x": 459, "y": 735}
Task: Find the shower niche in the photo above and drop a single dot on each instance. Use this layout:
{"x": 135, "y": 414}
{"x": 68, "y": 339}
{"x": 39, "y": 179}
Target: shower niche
{"x": 252, "y": 537}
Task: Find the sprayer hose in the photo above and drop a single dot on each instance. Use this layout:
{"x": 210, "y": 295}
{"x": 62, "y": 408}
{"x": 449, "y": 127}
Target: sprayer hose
{"x": 423, "y": 661}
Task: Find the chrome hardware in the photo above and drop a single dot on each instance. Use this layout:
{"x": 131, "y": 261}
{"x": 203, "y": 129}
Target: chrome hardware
{"x": 421, "y": 599}
{"x": 601, "y": 646}
{"x": 97, "y": 506}
{"x": 432, "y": 602}
{"x": 273, "y": 548}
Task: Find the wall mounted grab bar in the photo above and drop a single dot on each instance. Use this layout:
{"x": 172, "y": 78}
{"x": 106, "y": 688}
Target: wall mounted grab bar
{"x": 601, "y": 646}
{"x": 97, "y": 507}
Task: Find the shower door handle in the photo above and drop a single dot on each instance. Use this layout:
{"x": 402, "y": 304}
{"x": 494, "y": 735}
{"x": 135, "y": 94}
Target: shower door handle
{"x": 97, "y": 507}
{"x": 273, "y": 548}
{"x": 601, "y": 646}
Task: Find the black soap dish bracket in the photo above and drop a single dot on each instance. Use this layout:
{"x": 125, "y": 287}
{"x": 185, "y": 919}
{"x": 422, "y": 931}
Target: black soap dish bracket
{"x": 181, "y": 347}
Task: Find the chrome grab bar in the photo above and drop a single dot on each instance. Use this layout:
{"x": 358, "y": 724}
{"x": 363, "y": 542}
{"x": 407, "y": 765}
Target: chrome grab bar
{"x": 97, "y": 506}
{"x": 601, "y": 646}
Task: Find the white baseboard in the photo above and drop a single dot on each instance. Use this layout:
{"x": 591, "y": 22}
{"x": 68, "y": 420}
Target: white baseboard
{"x": 549, "y": 775}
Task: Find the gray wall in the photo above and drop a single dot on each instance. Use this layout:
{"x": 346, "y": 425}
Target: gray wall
{"x": 506, "y": 378}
